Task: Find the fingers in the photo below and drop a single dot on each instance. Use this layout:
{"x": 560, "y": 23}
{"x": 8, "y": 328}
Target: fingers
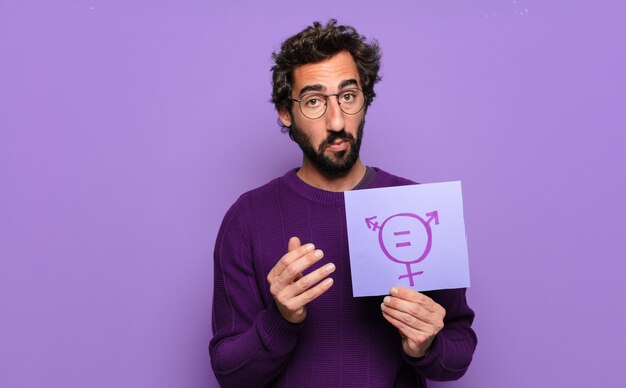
{"x": 288, "y": 258}
{"x": 414, "y": 342}
{"x": 302, "y": 285}
{"x": 412, "y": 316}
{"x": 418, "y": 325}
{"x": 301, "y": 299}
{"x": 290, "y": 289}
{"x": 407, "y": 331}
{"x": 413, "y": 313}
{"x": 411, "y": 296}
{"x": 411, "y": 310}
{"x": 293, "y": 271}
{"x": 416, "y": 316}
{"x": 286, "y": 278}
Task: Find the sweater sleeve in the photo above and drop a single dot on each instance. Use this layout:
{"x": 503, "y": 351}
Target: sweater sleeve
{"x": 251, "y": 342}
{"x": 451, "y": 352}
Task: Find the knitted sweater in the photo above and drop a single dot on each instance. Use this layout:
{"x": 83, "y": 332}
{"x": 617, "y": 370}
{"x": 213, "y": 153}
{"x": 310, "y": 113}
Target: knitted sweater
{"x": 344, "y": 341}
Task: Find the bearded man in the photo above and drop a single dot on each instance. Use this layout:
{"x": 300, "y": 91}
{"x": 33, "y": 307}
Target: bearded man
{"x": 283, "y": 311}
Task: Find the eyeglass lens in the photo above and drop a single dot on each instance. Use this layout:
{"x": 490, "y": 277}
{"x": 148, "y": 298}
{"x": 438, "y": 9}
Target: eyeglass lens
{"x": 313, "y": 105}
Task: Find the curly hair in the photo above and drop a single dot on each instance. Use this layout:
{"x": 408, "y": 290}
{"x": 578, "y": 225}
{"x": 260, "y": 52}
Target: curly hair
{"x": 317, "y": 43}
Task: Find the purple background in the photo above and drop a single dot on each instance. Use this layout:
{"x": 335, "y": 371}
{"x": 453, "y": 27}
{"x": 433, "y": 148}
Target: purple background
{"x": 128, "y": 128}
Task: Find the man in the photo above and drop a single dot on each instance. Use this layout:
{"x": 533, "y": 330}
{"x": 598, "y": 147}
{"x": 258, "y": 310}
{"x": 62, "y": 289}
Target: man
{"x": 283, "y": 311}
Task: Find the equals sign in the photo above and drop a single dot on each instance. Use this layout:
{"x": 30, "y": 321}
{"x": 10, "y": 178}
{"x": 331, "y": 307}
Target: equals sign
{"x": 402, "y": 244}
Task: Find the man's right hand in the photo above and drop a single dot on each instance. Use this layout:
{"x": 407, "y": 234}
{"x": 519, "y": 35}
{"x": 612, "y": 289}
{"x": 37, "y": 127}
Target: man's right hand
{"x": 292, "y": 291}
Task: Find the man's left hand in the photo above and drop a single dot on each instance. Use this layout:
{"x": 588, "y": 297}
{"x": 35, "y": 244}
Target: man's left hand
{"x": 417, "y": 317}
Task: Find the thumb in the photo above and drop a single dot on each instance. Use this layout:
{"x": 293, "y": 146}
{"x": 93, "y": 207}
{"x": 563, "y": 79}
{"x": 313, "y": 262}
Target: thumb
{"x": 294, "y": 243}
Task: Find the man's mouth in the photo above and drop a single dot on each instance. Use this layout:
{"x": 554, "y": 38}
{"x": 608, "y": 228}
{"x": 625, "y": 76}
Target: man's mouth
{"x": 338, "y": 145}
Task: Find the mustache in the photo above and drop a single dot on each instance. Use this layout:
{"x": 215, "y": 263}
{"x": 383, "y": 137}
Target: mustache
{"x": 334, "y": 136}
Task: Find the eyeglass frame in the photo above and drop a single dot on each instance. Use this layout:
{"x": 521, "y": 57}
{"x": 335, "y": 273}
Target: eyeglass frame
{"x": 338, "y": 103}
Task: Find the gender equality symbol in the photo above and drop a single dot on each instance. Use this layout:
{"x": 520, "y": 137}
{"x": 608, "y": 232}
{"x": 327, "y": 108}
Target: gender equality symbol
{"x": 405, "y": 238}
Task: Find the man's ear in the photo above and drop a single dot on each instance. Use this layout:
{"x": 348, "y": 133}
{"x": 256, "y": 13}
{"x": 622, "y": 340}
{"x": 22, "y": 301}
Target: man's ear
{"x": 285, "y": 116}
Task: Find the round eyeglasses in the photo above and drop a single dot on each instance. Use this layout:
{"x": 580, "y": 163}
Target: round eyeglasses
{"x": 313, "y": 105}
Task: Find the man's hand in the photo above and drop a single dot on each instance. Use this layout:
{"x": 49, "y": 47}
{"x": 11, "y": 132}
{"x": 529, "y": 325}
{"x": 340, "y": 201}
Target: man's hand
{"x": 417, "y": 317}
{"x": 292, "y": 291}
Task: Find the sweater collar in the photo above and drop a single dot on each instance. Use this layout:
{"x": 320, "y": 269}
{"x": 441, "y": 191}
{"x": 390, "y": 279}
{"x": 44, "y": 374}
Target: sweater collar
{"x": 303, "y": 189}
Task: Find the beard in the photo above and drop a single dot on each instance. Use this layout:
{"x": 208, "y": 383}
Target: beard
{"x": 341, "y": 162}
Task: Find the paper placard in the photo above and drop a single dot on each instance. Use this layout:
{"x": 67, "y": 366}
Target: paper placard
{"x": 410, "y": 236}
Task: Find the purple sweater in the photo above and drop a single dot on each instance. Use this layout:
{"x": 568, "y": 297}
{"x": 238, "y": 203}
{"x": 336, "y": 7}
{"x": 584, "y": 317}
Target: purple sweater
{"x": 344, "y": 341}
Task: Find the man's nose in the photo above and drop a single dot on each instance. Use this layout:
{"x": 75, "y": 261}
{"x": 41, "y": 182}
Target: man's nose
{"x": 335, "y": 120}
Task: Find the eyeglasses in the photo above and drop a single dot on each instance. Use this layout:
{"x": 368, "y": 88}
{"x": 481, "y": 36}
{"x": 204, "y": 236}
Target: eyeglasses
{"x": 313, "y": 105}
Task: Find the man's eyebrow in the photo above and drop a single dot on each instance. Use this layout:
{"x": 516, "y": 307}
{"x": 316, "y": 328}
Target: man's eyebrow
{"x": 312, "y": 88}
{"x": 348, "y": 82}
{"x": 320, "y": 88}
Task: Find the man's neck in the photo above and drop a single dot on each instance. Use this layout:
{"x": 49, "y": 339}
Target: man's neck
{"x": 344, "y": 182}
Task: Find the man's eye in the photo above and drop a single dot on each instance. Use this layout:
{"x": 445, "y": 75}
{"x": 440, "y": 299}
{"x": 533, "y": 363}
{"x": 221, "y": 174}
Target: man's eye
{"x": 313, "y": 102}
{"x": 348, "y": 97}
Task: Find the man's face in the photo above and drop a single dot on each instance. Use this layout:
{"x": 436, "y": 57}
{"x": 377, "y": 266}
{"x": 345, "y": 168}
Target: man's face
{"x": 332, "y": 142}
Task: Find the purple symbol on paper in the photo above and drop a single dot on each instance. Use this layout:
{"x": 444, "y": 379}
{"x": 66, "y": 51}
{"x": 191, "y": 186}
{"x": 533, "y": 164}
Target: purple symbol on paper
{"x": 405, "y": 238}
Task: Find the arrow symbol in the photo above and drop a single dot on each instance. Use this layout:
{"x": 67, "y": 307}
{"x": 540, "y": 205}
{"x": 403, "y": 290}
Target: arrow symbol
{"x": 433, "y": 216}
{"x": 370, "y": 224}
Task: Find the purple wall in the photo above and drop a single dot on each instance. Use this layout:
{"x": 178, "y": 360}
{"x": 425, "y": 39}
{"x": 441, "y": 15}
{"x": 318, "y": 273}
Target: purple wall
{"x": 128, "y": 128}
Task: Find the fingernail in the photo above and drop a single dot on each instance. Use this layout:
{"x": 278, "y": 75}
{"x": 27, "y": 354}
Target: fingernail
{"x": 382, "y": 306}
{"x": 309, "y": 247}
{"x": 387, "y": 300}
{"x": 329, "y": 281}
{"x": 394, "y": 290}
{"x": 330, "y": 267}
{"x": 319, "y": 253}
